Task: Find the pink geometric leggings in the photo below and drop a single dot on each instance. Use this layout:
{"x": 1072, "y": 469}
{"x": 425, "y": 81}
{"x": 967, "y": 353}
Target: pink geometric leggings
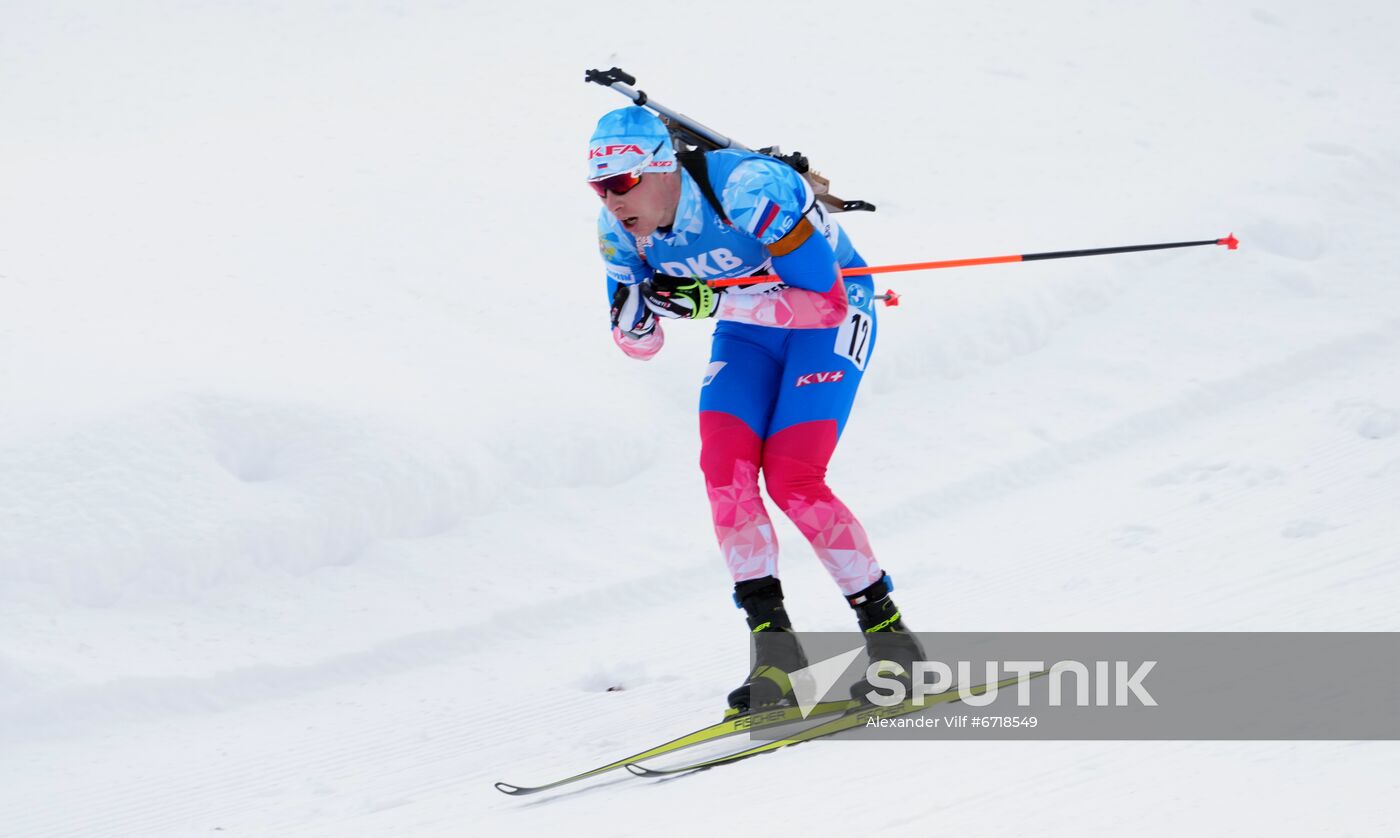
{"x": 793, "y": 463}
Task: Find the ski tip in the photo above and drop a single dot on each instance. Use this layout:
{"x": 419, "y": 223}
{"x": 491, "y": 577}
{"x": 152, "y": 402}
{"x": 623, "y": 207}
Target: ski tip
{"x": 641, "y": 770}
{"x": 1229, "y": 241}
{"x": 507, "y": 788}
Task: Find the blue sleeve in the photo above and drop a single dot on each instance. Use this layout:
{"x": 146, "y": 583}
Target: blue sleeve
{"x": 767, "y": 199}
{"x": 812, "y": 266}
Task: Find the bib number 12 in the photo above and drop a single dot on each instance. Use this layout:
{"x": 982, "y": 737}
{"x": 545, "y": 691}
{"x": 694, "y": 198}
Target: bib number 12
{"x": 853, "y": 338}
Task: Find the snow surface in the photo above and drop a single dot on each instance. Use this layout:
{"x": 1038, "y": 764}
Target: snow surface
{"x": 326, "y": 500}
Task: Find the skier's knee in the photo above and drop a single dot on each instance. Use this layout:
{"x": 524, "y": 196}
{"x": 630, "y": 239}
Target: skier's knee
{"x": 794, "y": 462}
{"x": 788, "y": 478}
{"x": 729, "y": 449}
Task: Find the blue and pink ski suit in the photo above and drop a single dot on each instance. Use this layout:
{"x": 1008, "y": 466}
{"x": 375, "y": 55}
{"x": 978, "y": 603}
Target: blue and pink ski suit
{"x": 786, "y": 358}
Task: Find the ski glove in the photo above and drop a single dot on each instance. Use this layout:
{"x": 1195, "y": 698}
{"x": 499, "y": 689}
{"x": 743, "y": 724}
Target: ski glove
{"x": 672, "y": 296}
{"x": 630, "y": 314}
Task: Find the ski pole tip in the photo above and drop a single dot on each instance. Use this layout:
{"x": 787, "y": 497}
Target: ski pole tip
{"x": 1229, "y": 241}
{"x": 890, "y": 298}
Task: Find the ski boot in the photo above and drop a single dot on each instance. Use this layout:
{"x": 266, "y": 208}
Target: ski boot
{"x": 776, "y": 649}
{"x": 887, "y": 639}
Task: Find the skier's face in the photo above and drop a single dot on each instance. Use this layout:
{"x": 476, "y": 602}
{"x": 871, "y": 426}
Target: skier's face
{"x": 648, "y": 205}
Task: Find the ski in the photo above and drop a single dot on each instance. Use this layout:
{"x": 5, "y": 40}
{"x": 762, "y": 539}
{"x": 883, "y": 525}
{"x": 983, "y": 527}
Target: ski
{"x": 728, "y": 727}
{"x": 847, "y": 721}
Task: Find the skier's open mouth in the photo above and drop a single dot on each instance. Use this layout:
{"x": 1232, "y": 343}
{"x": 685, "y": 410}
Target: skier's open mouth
{"x": 629, "y": 222}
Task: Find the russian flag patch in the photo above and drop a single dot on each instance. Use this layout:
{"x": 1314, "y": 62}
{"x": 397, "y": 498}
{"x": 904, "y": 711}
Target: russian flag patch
{"x": 763, "y": 216}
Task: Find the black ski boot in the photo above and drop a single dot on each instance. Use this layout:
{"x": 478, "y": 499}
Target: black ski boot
{"x": 887, "y": 639}
{"x": 777, "y": 651}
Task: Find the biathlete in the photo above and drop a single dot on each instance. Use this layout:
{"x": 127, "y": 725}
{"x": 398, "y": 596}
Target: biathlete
{"x": 785, "y": 364}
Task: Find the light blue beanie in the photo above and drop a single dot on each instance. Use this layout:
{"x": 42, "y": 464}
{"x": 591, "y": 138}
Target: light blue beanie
{"x": 629, "y": 139}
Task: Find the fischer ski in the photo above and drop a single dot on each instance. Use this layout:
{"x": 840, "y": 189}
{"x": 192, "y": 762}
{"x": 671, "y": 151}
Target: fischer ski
{"x": 847, "y": 721}
{"x": 728, "y": 727}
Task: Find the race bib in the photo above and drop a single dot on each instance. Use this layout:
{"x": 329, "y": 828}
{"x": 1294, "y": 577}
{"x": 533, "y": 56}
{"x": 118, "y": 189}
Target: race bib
{"x": 853, "y": 338}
